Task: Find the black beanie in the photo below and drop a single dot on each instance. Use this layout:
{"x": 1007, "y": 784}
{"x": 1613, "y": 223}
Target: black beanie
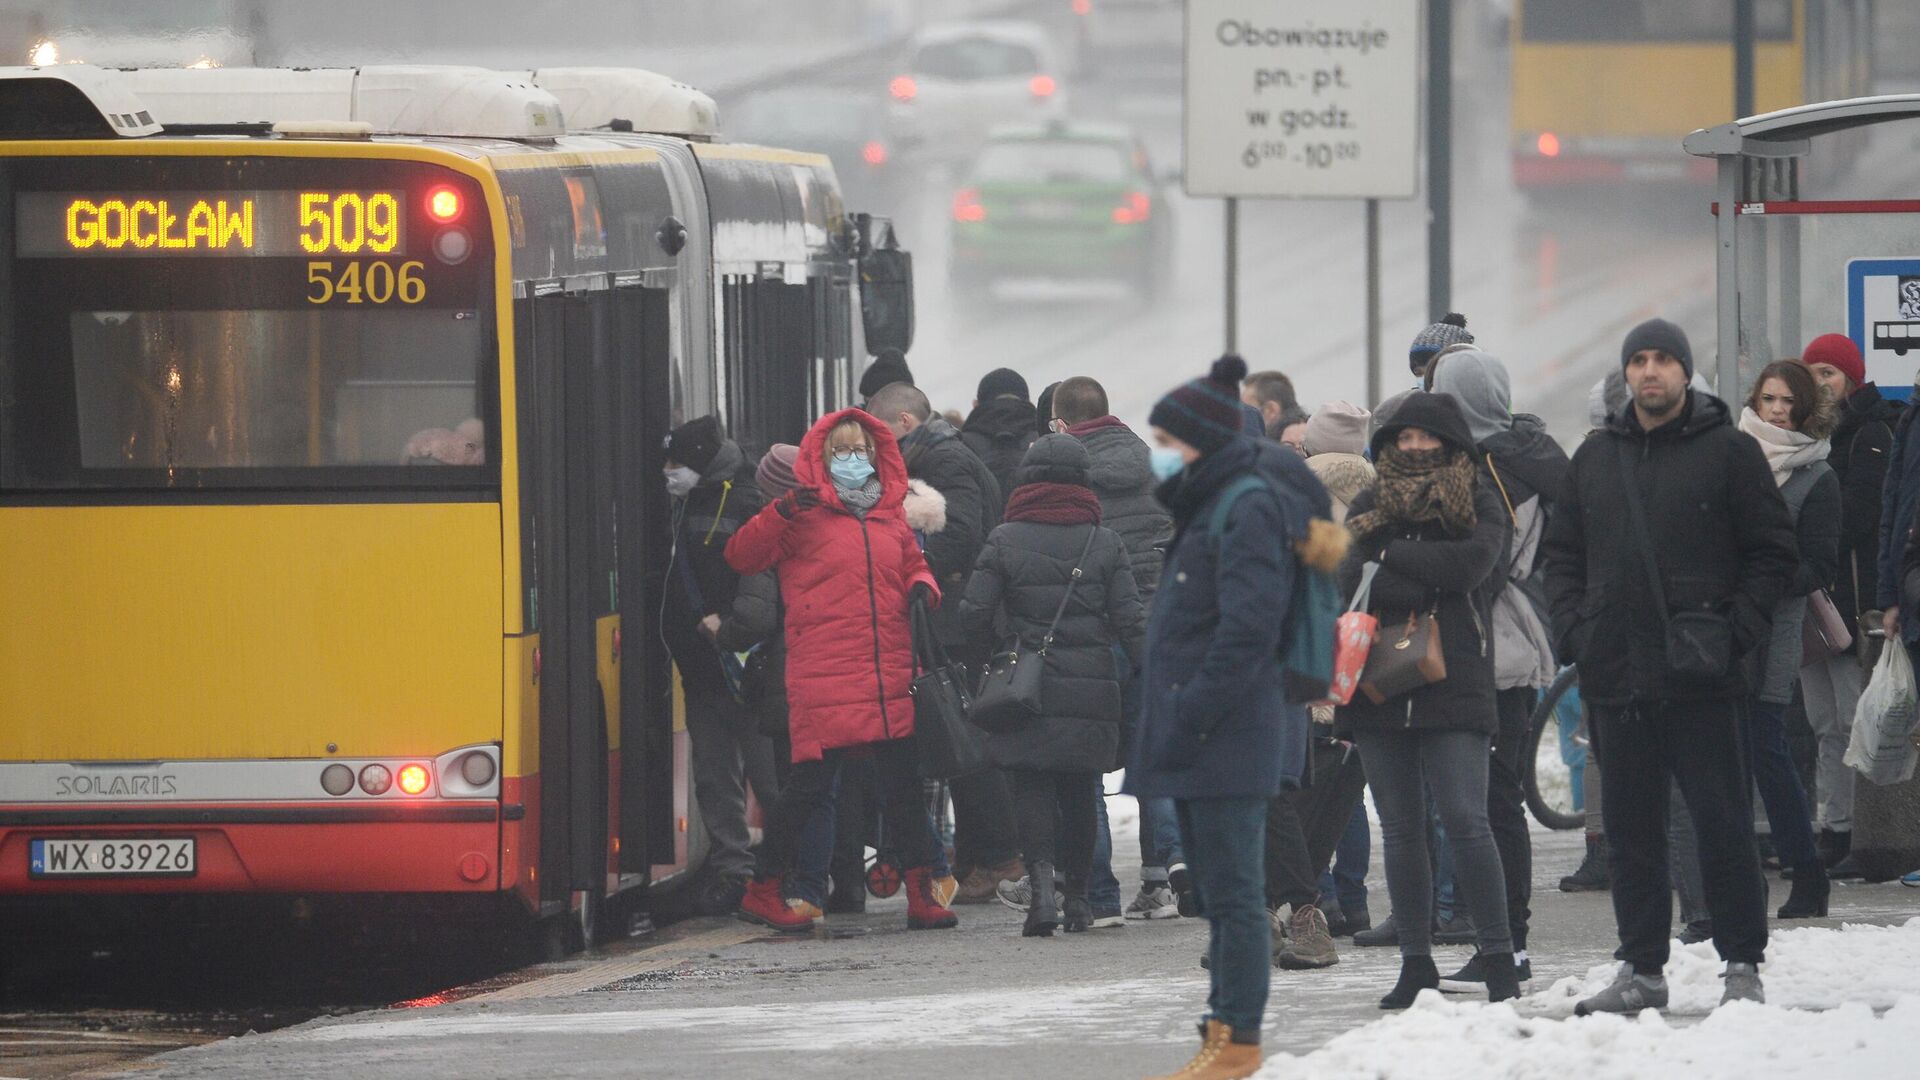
{"x": 1658, "y": 334}
{"x": 1205, "y": 413}
{"x": 1437, "y": 414}
{"x": 889, "y": 366}
{"x": 696, "y": 443}
{"x": 1054, "y": 459}
{"x": 1001, "y": 382}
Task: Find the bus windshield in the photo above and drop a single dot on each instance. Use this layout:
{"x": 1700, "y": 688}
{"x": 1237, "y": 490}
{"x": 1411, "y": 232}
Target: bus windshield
{"x": 267, "y": 324}
{"x": 1693, "y": 21}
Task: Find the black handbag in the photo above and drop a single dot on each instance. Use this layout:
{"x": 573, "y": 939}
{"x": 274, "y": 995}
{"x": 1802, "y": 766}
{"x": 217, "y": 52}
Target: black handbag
{"x": 1699, "y": 643}
{"x": 1009, "y": 695}
{"x": 948, "y": 745}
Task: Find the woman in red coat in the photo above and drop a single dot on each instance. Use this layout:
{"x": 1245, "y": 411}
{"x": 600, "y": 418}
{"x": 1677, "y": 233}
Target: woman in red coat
{"x": 848, "y": 566}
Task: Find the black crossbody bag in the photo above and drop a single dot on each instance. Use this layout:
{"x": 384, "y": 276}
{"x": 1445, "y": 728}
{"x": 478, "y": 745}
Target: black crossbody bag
{"x": 1009, "y": 695}
{"x": 1699, "y": 643}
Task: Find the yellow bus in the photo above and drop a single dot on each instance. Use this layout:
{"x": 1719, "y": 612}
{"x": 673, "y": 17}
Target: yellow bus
{"x": 1603, "y": 92}
{"x": 332, "y": 408}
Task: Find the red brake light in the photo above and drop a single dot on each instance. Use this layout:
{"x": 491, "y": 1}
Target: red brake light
{"x": 903, "y": 88}
{"x": 413, "y": 779}
{"x": 874, "y": 153}
{"x": 966, "y": 206}
{"x": 1137, "y": 208}
{"x": 1082, "y": 7}
{"x": 443, "y": 204}
{"x": 1548, "y": 144}
{"x": 1042, "y": 86}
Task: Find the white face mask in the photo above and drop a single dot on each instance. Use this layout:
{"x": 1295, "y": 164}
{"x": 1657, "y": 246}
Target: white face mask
{"x": 680, "y": 480}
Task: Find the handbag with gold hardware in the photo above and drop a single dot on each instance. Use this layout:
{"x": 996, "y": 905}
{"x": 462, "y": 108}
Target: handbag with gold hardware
{"x": 1405, "y": 658}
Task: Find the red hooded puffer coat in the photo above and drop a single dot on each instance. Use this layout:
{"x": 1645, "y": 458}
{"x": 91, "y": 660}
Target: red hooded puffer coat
{"x": 845, "y": 583}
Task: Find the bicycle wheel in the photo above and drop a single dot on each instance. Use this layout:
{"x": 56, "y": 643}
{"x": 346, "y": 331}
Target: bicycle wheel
{"x": 1545, "y": 776}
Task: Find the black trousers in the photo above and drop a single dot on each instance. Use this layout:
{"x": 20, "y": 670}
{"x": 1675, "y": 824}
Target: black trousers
{"x": 1304, "y": 827}
{"x": 983, "y": 826}
{"x": 896, "y": 768}
{"x": 1056, "y": 816}
{"x": 1702, "y": 746}
{"x": 1507, "y": 806}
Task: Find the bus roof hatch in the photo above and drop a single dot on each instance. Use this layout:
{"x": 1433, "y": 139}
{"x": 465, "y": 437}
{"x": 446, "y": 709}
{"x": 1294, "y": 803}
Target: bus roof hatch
{"x": 70, "y": 101}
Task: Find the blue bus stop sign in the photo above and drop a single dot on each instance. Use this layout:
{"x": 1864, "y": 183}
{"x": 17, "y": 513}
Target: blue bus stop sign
{"x": 1883, "y": 318}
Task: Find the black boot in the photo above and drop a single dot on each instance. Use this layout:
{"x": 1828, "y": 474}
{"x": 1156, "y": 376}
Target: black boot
{"x": 1043, "y": 914}
{"x": 1593, "y": 875}
{"x": 1810, "y": 892}
{"x": 1834, "y": 846}
{"x": 1417, "y": 973}
{"x": 1503, "y": 976}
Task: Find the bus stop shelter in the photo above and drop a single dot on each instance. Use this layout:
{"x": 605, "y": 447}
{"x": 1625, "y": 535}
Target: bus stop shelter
{"x": 1792, "y": 265}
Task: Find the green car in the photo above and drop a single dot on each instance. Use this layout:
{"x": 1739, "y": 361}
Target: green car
{"x": 1065, "y": 200}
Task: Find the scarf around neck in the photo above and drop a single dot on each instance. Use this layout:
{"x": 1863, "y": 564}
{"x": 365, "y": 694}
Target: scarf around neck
{"x": 1053, "y": 504}
{"x": 1787, "y": 451}
{"x": 862, "y": 499}
{"x": 1420, "y": 486}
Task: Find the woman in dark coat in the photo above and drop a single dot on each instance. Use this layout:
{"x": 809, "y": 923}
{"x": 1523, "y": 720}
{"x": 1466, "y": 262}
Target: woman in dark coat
{"x": 1020, "y": 582}
{"x": 1437, "y": 529}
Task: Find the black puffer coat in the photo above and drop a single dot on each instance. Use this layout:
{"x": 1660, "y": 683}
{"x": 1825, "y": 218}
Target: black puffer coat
{"x": 999, "y": 432}
{"x": 934, "y": 453}
{"x": 699, "y": 581}
{"x": 1861, "y": 445}
{"x": 1722, "y": 539}
{"x": 755, "y": 618}
{"x": 1122, "y": 476}
{"x": 1017, "y": 587}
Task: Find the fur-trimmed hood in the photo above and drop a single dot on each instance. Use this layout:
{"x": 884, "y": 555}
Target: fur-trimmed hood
{"x": 926, "y": 508}
{"x": 1345, "y": 476}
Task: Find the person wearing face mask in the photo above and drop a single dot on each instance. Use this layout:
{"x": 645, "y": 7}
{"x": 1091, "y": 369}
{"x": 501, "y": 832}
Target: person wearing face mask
{"x": 1789, "y": 416}
{"x": 849, "y": 566}
{"x": 711, "y": 483}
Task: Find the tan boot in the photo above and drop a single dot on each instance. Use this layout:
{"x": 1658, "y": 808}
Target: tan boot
{"x": 1220, "y": 1058}
{"x": 978, "y": 886}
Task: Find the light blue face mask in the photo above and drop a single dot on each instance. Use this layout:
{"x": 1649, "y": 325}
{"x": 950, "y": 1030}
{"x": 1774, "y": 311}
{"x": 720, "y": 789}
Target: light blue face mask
{"x": 1167, "y": 463}
{"x": 851, "y": 473}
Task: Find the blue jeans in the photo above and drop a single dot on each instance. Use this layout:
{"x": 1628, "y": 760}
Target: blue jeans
{"x": 1103, "y": 889}
{"x": 1779, "y": 783}
{"x": 1346, "y": 879}
{"x": 1225, "y": 840}
{"x": 1567, "y": 713}
{"x": 1159, "y": 840}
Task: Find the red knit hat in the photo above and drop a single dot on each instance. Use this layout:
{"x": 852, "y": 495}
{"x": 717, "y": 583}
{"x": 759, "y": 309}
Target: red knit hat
{"x": 1839, "y": 351}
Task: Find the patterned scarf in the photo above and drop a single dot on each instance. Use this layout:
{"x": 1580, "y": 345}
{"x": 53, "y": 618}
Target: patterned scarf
{"x": 860, "y": 500}
{"x": 1419, "y": 486}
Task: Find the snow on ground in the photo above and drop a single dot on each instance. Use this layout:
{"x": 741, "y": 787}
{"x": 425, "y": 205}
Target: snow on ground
{"x": 1841, "y": 1002}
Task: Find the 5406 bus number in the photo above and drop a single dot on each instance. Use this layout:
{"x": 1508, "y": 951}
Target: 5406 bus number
{"x": 373, "y": 282}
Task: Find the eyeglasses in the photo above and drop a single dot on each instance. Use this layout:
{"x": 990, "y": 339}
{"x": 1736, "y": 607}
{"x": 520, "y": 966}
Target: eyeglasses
{"x": 848, "y": 453}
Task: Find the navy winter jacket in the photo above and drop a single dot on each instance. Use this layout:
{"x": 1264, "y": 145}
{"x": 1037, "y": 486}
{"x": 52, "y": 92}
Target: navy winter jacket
{"x": 1214, "y": 717}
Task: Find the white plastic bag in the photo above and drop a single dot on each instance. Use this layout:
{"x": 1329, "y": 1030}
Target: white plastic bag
{"x": 1882, "y": 748}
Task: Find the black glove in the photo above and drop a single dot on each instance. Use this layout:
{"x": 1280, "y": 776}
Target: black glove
{"x": 921, "y": 593}
{"x": 796, "y": 500}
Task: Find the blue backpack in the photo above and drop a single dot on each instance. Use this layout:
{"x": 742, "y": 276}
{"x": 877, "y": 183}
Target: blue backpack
{"x": 1306, "y": 643}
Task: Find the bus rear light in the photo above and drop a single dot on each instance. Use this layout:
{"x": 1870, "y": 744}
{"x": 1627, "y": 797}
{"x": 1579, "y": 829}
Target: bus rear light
{"x": 336, "y": 779}
{"x": 453, "y": 246}
{"x": 966, "y": 206}
{"x": 903, "y": 88}
{"x": 1042, "y": 86}
{"x": 443, "y": 204}
{"x": 1548, "y": 144}
{"x": 477, "y": 769}
{"x": 376, "y": 779}
{"x": 414, "y": 779}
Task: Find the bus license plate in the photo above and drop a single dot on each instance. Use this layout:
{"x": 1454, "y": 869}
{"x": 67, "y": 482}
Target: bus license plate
{"x": 110, "y": 858}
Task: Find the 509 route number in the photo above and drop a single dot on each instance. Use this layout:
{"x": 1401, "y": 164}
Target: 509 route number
{"x": 376, "y": 282}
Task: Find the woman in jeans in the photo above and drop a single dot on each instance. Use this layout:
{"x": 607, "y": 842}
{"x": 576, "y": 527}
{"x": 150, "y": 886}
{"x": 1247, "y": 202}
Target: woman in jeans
{"x": 1437, "y": 529}
{"x": 1789, "y": 416}
{"x": 848, "y": 565}
{"x": 1051, "y": 550}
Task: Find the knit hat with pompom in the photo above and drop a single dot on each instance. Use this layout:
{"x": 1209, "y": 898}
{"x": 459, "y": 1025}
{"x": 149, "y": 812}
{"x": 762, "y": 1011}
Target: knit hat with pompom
{"x": 1428, "y": 343}
{"x": 1204, "y": 413}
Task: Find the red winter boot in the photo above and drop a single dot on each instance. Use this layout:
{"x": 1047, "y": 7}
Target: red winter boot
{"x": 924, "y": 909}
{"x": 763, "y": 904}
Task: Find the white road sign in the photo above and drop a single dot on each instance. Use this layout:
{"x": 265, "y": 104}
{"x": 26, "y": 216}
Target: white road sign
{"x": 1303, "y": 98}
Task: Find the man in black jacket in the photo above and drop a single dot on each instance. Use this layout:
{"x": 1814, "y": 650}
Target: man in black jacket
{"x": 711, "y": 482}
{"x": 1665, "y": 696}
{"x": 984, "y": 846}
{"x": 1862, "y": 445}
{"x": 1002, "y": 425}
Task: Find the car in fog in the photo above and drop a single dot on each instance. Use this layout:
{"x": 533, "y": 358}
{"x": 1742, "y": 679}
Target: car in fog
{"x": 850, "y": 127}
{"x": 962, "y": 78}
{"x": 1139, "y": 37}
{"x": 1061, "y": 200}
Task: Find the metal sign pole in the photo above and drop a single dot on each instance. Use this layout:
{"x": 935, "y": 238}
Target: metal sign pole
{"x": 1742, "y": 59}
{"x": 1439, "y": 156}
{"x": 1373, "y": 302}
{"x": 1233, "y": 274}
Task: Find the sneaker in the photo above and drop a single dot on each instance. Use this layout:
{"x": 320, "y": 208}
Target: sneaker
{"x": 982, "y": 882}
{"x": 1696, "y": 932}
{"x": 1386, "y": 933}
{"x": 1279, "y": 918}
{"x": 721, "y": 896}
{"x": 1628, "y": 994}
{"x": 1743, "y": 984}
{"x": 1016, "y": 894}
{"x": 1180, "y": 880}
{"x": 1154, "y": 901}
{"x": 1351, "y": 921}
{"x": 1455, "y": 931}
{"x": 1309, "y": 945}
{"x": 1911, "y": 880}
{"x": 1104, "y": 919}
{"x": 1472, "y": 979}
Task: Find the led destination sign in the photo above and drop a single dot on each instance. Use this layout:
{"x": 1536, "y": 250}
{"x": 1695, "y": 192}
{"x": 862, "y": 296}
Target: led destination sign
{"x": 172, "y": 224}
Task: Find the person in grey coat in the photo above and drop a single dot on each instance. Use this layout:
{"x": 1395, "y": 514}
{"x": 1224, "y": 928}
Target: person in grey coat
{"x": 1052, "y": 550}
